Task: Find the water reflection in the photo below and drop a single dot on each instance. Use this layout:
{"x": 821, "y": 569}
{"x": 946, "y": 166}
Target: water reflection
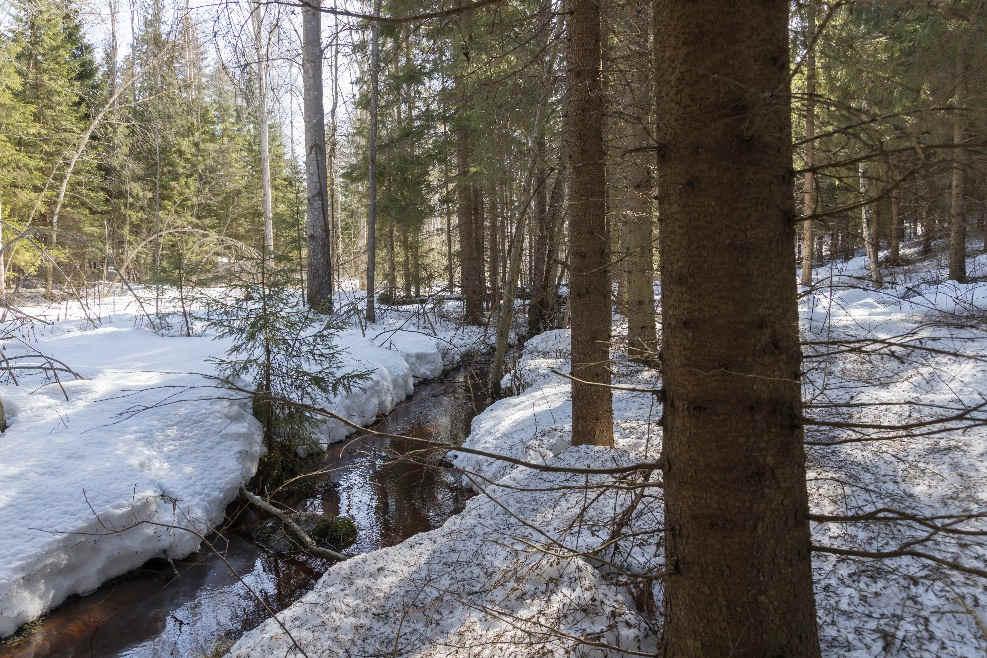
{"x": 197, "y": 605}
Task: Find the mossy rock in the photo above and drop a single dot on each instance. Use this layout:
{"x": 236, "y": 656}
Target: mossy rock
{"x": 337, "y": 532}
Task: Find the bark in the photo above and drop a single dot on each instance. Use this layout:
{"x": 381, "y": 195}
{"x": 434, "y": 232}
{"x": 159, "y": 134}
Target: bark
{"x": 318, "y": 227}
{"x": 589, "y": 284}
{"x": 809, "y": 193}
{"x": 549, "y": 286}
{"x": 334, "y": 223}
{"x": 3, "y": 268}
{"x": 470, "y": 262}
{"x": 738, "y": 579}
{"x": 470, "y": 273}
{"x": 539, "y": 243}
{"x": 493, "y": 271}
{"x": 957, "y": 212}
{"x": 263, "y": 130}
{"x": 372, "y": 164}
{"x": 450, "y": 259}
{"x": 631, "y": 187}
{"x": 406, "y": 261}
{"x": 869, "y": 225}
{"x": 505, "y": 314}
{"x": 392, "y": 263}
{"x": 895, "y": 229}
{"x": 479, "y": 236}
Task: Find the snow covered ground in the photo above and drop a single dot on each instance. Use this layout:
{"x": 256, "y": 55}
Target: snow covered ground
{"x": 103, "y": 469}
{"x": 531, "y": 566}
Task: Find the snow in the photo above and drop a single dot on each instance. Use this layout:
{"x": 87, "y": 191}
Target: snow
{"x": 145, "y": 448}
{"x": 500, "y": 575}
{"x": 528, "y": 567}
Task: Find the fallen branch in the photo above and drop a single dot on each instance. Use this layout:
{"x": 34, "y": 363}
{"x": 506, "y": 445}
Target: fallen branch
{"x": 310, "y": 545}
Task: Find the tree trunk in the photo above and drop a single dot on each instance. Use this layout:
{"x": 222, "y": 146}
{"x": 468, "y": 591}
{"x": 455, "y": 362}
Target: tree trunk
{"x": 738, "y": 579}
{"x": 450, "y": 259}
{"x": 957, "y": 212}
{"x": 372, "y": 164}
{"x": 478, "y": 241}
{"x": 809, "y": 193}
{"x": 895, "y": 229}
{"x": 869, "y": 225}
{"x": 3, "y": 267}
{"x": 493, "y": 271}
{"x": 319, "y": 284}
{"x": 631, "y": 187}
{"x": 392, "y": 262}
{"x": 264, "y": 132}
{"x": 589, "y": 282}
{"x": 406, "y": 261}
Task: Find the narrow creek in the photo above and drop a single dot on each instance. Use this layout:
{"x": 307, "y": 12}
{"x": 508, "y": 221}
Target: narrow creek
{"x": 196, "y": 607}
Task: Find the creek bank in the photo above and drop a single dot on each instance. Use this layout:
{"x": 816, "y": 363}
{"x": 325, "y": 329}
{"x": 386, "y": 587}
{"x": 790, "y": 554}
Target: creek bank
{"x": 105, "y": 472}
{"x": 152, "y": 612}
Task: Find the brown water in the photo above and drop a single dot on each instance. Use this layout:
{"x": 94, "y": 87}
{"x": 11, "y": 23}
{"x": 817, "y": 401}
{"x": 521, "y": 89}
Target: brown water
{"x": 198, "y": 606}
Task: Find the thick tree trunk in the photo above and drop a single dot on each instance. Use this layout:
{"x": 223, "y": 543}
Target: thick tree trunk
{"x": 589, "y": 283}
{"x": 372, "y": 165}
{"x": 957, "y": 212}
{"x": 318, "y": 228}
{"x": 264, "y": 132}
{"x": 738, "y": 580}
{"x": 809, "y": 193}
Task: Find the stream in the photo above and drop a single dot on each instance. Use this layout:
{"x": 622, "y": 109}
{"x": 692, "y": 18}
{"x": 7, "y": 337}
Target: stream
{"x": 197, "y": 607}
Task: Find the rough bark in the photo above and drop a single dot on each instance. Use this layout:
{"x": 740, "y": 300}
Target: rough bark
{"x": 738, "y": 579}
{"x": 493, "y": 270}
{"x": 470, "y": 262}
{"x": 869, "y": 225}
{"x": 895, "y": 229}
{"x": 809, "y": 193}
{"x": 372, "y": 165}
{"x": 957, "y": 212}
{"x": 470, "y": 272}
{"x": 589, "y": 284}
{"x": 318, "y": 228}
{"x": 631, "y": 185}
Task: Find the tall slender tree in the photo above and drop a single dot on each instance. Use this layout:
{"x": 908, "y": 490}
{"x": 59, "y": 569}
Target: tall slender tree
{"x": 738, "y": 579}
{"x": 263, "y": 128}
{"x": 809, "y": 195}
{"x": 589, "y": 284}
{"x": 319, "y": 282}
{"x": 371, "y": 313}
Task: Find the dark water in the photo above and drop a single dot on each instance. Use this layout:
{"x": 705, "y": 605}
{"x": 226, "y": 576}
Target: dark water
{"x": 197, "y": 606}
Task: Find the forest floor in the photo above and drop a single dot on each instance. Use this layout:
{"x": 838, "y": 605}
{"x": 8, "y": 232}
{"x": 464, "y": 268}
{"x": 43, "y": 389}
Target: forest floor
{"x": 122, "y": 448}
{"x": 533, "y": 566}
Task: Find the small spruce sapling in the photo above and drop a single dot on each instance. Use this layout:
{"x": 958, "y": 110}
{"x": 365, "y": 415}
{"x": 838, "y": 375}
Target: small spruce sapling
{"x": 285, "y": 352}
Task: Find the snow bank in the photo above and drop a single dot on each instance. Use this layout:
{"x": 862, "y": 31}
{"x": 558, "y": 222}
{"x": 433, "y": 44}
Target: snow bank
{"x": 515, "y": 574}
{"x": 502, "y": 574}
{"x": 94, "y": 485}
